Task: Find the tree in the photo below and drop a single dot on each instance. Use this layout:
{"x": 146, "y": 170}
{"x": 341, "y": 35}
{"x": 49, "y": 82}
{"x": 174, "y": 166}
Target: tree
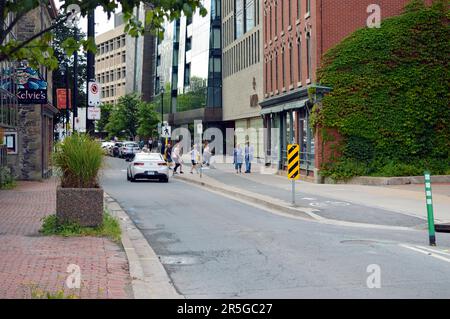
{"x": 106, "y": 110}
{"x": 148, "y": 119}
{"x": 37, "y": 49}
{"x": 62, "y": 32}
{"x": 390, "y": 99}
{"x": 124, "y": 117}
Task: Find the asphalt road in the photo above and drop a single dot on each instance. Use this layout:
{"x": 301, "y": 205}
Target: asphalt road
{"x": 215, "y": 247}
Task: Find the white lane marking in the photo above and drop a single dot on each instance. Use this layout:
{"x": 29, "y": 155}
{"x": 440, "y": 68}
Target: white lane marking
{"x": 435, "y": 250}
{"x": 123, "y": 170}
{"x": 425, "y": 252}
{"x": 308, "y": 198}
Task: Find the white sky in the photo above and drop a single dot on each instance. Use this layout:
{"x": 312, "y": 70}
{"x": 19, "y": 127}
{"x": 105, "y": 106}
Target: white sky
{"x": 102, "y": 24}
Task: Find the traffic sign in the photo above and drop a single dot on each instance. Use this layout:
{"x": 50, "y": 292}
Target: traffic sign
{"x": 94, "y": 113}
{"x": 199, "y": 128}
{"x": 93, "y": 94}
{"x": 166, "y": 130}
{"x": 293, "y": 155}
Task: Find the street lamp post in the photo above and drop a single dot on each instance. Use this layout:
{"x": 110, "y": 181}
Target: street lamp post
{"x": 162, "y": 105}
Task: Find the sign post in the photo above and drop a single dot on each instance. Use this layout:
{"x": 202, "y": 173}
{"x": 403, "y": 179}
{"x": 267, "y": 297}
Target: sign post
{"x": 293, "y": 155}
{"x": 430, "y": 215}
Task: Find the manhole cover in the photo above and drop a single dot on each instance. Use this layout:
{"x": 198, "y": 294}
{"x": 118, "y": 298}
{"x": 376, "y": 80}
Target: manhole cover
{"x": 178, "y": 260}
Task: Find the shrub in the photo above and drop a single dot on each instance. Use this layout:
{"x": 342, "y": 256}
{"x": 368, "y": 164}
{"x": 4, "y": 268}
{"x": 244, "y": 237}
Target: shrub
{"x": 7, "y": 180}
{"x": 110, "y": 228}
{"x": 79, "y": 159}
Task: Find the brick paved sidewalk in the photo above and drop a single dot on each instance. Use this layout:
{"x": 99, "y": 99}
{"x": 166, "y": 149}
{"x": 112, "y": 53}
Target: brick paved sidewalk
{"x": 28, "y": 259}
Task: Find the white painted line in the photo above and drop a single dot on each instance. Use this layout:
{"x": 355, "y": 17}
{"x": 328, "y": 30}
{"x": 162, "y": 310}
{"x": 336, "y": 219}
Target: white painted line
{"x": 435, "y": 250}
{"x": 425, "y": 252}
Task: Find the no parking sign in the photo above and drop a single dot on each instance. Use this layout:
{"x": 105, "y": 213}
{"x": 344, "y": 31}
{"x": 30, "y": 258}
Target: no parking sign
{"x": 93, "y": 94}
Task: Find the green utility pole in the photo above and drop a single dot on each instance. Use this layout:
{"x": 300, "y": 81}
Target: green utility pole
{"x": 429, "y": 199}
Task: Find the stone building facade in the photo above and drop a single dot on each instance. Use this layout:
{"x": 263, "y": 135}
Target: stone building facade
{"x": 34, "y": 130}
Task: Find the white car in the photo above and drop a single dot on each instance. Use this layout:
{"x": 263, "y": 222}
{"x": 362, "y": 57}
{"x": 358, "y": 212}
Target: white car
{"x": 128, "y": 150}
{"x": 148, "y": 166}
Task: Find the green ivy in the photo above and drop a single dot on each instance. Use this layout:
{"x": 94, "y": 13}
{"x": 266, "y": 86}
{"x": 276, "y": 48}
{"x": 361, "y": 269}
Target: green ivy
{"x": 390, "y": 98}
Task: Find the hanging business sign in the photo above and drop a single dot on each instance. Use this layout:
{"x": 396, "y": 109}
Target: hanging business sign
{"x": 61, "y": 98}
{"x": 31, "y": 88}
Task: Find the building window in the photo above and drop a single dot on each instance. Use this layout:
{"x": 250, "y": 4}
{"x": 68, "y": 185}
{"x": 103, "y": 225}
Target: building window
{"x": 276, "y": 72}
{"x": 282, "y": 14}
{"x": 299, "y": 8}
{"x": 187, "y": 74}
{"x": 308, "y": 6}
{"x": 239, "y": 18}
{"x": 249, "y": 15}
{"x": 291, "y": 73}
{"x": 188, "y": 45}
{"x": 308, "y": 55}
{"x": 270, "y": 23}
{"x": 276, "y": 22}
{"x": 188, "y": 20}
{"x": 283, "y": 67}
{"x": 299, "y": 59}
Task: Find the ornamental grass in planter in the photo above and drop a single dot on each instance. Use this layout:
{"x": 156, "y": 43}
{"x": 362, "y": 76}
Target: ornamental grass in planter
{"x": 79, "y": 197}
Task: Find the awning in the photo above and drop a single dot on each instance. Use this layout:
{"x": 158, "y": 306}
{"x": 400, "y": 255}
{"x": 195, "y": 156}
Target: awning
{"x": 285, "y": 107}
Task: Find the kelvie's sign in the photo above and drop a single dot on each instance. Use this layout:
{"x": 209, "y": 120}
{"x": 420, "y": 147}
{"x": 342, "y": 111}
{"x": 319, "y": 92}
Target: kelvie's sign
{"x": 36, "y": 96}
{"x": 31, "y": 88}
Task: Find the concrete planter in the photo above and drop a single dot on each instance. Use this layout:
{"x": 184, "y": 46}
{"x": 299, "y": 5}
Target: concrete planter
{"x": 81, "y": 205}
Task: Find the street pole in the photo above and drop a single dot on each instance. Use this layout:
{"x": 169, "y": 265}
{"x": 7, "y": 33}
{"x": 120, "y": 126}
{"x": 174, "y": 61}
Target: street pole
{"x": 90, "y": 67}
{"x": 430, "y": 214}
{"x": 75, "y": 85}
{"x": 67, "y": 101}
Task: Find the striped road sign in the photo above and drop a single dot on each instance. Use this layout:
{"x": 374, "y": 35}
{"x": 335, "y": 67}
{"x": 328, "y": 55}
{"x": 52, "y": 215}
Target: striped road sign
{"x": 293, "y": 155}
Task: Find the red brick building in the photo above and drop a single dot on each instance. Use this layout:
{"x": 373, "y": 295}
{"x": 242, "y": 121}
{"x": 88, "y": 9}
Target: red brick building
{"x": 296, "y": 34}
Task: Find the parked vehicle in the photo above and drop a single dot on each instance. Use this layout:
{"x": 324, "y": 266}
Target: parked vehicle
{"x": 148, "y": 166}
{"x": 106, "y": 146}
{"x": 115, "y": 150}
{"x": 129, "y": 149}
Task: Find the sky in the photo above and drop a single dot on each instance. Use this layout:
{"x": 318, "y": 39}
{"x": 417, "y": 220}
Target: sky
{"x": 102, "y": 24}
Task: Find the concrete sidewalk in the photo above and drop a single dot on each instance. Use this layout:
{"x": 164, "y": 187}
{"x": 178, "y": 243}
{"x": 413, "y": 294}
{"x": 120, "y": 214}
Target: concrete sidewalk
{"x": 383, "y": 205}
{"x": 31, "y": 262}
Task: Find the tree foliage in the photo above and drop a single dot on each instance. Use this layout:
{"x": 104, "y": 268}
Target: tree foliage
{"x": 131, "y": 117}
{"x": 390, "y": 98}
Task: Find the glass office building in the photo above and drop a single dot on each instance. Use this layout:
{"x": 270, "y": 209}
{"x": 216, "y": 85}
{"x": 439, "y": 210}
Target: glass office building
{"x": 189, "y": 68}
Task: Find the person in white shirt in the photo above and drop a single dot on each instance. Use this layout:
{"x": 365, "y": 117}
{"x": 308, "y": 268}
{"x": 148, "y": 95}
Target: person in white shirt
{"x": 195, "y": 157}
{"x": 248, "y": 157}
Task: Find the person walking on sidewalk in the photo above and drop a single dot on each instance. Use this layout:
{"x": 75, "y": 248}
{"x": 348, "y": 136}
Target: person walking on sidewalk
{"x": 206, "y": 154}
{"x": 168, "y": 155}
{"x": 238, "y": 156}
{"x": 195, "y": 155}
{"x": 176, "y": 156}
{"x": 248, "y": 157}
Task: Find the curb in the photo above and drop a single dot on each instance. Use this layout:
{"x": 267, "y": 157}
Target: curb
{"x": 149, "y": 279}
{"x": 305, "y": 213}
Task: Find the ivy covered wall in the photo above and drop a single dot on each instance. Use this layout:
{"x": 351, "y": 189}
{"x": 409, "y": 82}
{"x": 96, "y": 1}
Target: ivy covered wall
{"x": 390, "y": 98}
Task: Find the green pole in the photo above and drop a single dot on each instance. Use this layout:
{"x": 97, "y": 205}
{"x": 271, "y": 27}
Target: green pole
{"x": 429, "y": 199}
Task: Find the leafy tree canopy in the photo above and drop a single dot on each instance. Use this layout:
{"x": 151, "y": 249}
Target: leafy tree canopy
{"x": 390, "y": 98}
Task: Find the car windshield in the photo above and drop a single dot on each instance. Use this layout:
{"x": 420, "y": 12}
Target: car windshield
{"x": 131, "y": 145}
{"x": 148, "y": 157}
